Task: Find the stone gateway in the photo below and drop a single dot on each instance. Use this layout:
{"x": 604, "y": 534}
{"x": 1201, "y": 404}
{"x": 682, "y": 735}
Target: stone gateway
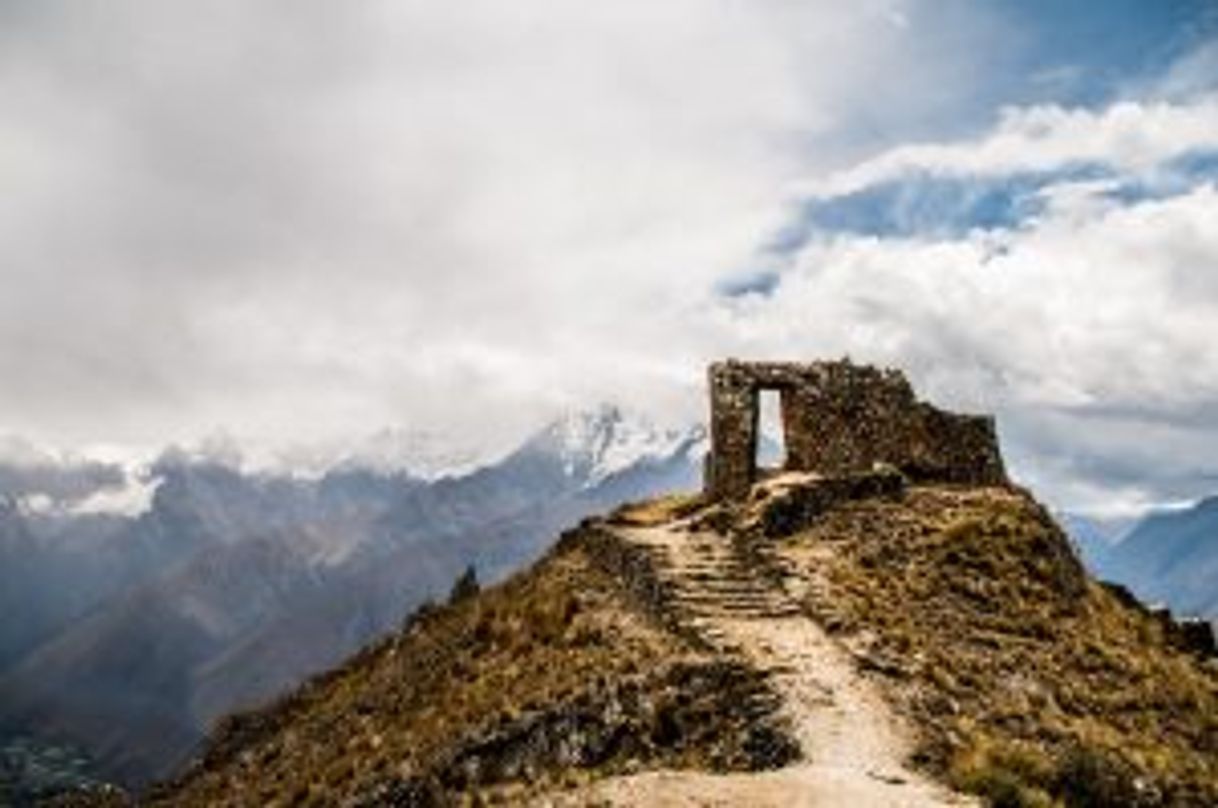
{"x": 842, "y": 418}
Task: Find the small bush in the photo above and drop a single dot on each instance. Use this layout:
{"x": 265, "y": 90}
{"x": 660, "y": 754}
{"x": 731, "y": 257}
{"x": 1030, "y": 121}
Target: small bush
{"x": 1005, "y": 774}
{"x": 1092, "y": 778}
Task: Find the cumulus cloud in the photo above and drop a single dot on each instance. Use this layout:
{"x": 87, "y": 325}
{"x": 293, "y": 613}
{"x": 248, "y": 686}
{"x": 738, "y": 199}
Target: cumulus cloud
{"x": 1128, "y": 136}
{"x": 55, "y": 479}
{"x": 302, "y": 220}
{"x": 1086, "y": 322}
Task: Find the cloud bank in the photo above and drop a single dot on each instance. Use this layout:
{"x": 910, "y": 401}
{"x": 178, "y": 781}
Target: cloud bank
{"x": 29, "y": 474}
{"x": 301, "y": 222}
{"x": 1084, "y": 315}
{"x": 292, "y": 220}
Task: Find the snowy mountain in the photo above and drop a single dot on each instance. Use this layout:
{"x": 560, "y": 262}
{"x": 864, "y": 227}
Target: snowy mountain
{"x": 594, "y": 445}
{"x": 424, "y": 454}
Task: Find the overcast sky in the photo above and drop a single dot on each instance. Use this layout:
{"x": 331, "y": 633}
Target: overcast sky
{"x": 292, "y": 222}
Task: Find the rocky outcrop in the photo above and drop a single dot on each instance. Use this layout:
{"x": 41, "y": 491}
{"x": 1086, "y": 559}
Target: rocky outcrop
{"x": 791, "y": 502}
{"x": 615, "y": 726}
{"x": 1192, "y": 634}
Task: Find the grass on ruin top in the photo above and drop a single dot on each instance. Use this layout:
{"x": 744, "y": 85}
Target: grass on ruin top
{"x": 659, "y": 511}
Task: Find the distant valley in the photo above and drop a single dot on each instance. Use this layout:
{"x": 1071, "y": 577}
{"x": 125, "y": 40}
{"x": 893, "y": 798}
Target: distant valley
{"x": 1168, "y": 557}
{"x": 137, "y": 633}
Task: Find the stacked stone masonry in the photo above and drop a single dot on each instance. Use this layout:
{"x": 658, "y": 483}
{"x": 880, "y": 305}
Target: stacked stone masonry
{"x": 842, "y": 418}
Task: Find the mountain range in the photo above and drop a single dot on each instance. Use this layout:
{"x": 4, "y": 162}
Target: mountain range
{"x": 838, "y": 639}
{"x": 1169, "y": 557}
{"x": 138, "y": 632}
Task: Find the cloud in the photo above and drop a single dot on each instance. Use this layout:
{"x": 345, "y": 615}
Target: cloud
{"x": 1196, "y": 72}
{"x": 301, "y": 220}
{"x": 1084, "y": 319}
{"x": 57, "y": 479}
{"x": 1128, "y": 137}
{"x": 926, "y": 205}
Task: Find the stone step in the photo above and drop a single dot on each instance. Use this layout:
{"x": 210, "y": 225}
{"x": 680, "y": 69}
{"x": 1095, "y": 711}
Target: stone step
{"x": 700, "y": 599}
{"x": 738, "y": 615}
{"x": 711, "y": 609}
{"x": 705, "y": 566}
{"x": 702, "y": 596}
{"x": 724, "y": 576}
{"x": 701, "y": 572}
{"x": 739, "y": 601}
{"x": 711, "y": 606}
{"x": 717, "y": 581}
{"x": 727, "y": 587}
{"x": 723, "y": 591}
{"x": 752, "y": 595}
{"x": 713, "y": 573}
{"x": 722, "y": 613}
{"x": 695, "y": 600}
{"x": 710, "y": 574}
{"x": 756, "y": 609}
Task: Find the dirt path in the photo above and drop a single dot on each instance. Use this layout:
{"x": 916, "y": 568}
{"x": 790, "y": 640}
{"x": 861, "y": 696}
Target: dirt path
{"x": 854, "y": 748}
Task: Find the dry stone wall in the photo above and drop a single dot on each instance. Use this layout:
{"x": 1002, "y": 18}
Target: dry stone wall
{"x": 842, "y": 418}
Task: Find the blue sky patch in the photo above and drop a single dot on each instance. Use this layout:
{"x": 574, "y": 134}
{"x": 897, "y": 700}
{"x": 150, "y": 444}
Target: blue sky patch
{"x": 930, "y": 206}
{"x": 1083, "y": 52}
{"x": 762, "y": 283}
{"x": 1174, "y": 178}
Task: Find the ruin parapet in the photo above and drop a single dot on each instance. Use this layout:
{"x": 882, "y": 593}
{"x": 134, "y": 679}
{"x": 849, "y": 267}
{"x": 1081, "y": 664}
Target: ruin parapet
{"x": 842, "y": 418}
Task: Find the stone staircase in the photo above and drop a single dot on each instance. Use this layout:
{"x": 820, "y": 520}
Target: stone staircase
{"x": 745, "y": 603}
{"x": 705, "y": 581}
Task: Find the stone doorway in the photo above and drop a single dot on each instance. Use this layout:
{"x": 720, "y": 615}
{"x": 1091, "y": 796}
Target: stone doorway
{"x": 840, "y": 418}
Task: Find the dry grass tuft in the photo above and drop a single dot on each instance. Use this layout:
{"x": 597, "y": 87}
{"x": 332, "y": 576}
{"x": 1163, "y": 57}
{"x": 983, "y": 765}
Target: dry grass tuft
{"x": 1029, "y": 683}
{"x": 658, "y": 511}
{"x": 549, "y": 675}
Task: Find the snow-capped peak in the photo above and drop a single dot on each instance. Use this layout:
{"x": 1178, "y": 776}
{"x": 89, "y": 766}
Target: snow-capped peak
{"x": 421, "y": 453}
{"x": 595, "y": 444}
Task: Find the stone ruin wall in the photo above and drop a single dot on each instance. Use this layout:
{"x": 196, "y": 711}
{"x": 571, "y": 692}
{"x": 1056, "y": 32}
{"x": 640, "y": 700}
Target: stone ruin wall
{"x": 841, "y": 418}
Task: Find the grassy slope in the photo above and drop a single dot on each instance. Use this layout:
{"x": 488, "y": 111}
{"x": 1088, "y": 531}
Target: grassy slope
{"x": 1027, "y": 681}
{"x": 553, "y": 675}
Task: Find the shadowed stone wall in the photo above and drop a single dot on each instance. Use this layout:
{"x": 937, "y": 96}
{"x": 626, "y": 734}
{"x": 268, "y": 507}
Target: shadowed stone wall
{"x": 840, "y": 418}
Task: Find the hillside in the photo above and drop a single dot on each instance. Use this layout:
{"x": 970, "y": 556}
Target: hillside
{"x": 856, "y": 639}
{"x": 556, "y": 672}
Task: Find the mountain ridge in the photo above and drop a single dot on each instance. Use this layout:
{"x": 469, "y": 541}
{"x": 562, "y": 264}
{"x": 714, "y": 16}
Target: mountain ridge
{"x": 1003, "y": 670}
{"x": 250, "y": 581}
{"x": 1171, "y": 557}
{"x": 329, "y": 558}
